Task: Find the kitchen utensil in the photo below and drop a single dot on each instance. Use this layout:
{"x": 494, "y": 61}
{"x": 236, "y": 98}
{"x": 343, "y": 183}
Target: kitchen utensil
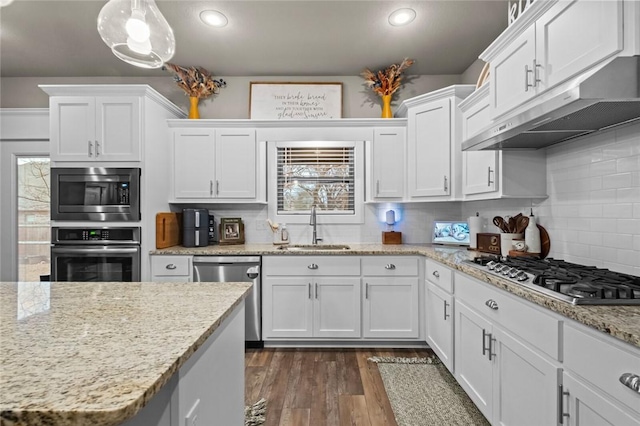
{"x": 545, "y": 242}
{"x": 511, "y": 224}
{"x": 506, "y": 242}
{"x": 521, "y": 224}
{"x": 500, "y": 223}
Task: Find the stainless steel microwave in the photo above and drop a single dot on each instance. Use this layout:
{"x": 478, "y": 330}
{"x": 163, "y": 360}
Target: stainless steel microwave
{"x": 96, "y": 194}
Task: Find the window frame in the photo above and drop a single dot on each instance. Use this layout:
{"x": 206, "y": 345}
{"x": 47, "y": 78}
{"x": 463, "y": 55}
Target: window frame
{"x": 323, "y": 217}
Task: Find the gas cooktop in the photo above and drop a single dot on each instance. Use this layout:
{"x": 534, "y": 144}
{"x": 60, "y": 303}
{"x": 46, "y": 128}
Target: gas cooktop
{"x": 569, "y": 282}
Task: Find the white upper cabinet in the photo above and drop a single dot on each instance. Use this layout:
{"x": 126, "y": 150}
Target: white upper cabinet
{"x": 95, "y": 128}
{"x": 497, "y": 174}
{"x": 216, "y": 165}
{"x": 433, "y": 144}
{"x": 550, "y": 43}
{"x": 387, "y": 159}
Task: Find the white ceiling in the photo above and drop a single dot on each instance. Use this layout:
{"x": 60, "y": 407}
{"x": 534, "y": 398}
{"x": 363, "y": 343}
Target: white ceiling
{"x": 50, "y": 38}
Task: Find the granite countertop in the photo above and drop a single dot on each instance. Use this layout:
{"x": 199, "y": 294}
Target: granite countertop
{"x": 96, "y": 353}
{"x": 622, "y": 322}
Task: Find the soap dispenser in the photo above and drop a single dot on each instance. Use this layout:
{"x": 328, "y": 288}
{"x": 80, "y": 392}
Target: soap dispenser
{"x": 532, "y": 235}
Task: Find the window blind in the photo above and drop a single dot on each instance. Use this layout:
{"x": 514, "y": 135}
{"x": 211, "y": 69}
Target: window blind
{"x": 321, "y": 176}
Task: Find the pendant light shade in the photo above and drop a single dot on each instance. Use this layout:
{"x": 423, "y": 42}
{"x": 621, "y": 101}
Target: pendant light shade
{"x": 136, "y": 32}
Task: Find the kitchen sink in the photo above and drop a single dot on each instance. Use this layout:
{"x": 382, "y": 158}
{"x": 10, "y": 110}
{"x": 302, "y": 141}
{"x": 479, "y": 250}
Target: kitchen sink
{"x": 316, "y": 247}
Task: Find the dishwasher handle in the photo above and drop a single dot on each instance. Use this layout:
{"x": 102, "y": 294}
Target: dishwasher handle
{"x": 253, "y": 272}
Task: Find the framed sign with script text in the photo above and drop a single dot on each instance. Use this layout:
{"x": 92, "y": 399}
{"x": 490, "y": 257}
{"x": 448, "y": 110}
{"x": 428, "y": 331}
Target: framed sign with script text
{"x": 295, "y": 101}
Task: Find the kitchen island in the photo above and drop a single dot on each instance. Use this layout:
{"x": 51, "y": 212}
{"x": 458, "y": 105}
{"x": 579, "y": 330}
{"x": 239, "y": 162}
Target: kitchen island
{"x": 108, "y": 353}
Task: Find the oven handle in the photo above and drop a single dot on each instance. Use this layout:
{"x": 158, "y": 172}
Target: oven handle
{"x": 85, "y": 250}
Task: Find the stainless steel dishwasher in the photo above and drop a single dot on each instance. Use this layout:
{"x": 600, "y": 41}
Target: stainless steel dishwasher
{"x": 236, "y": 269}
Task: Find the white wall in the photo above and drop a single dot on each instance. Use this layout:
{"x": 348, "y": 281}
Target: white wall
{"x": 593, "y": 210}
{"x": 233, "y": 100}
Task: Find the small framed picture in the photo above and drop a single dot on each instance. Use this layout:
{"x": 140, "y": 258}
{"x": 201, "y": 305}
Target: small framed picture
{"x": 231, "y": 230}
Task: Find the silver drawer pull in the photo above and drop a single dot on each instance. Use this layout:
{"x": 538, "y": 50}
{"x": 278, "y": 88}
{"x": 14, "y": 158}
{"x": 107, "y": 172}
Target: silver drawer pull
{"x": 436, "y": 274}
{"x": 492, "y": 304}
{"x": 171, "y": 266}
{"x": 313, "y": 266}
{"x": 632, "y": 381}
{"x": 390, "y": 266}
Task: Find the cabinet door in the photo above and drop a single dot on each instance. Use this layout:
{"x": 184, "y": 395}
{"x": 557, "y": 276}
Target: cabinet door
{"x": 388, "y": 151}
{"x": 512, "y": 74}
{"x": 336, "y": 310}
{"x": 72, "y": 128}
{"x": 235, "y": 164}
{"x": 430, "y": 149}
{"x": 439, "y": 315}
{"x": 480, "y": 172}
{"x": 574, "y": 35}
{"x": 287, "y": 307}
{"x": 118, "y": 128}
{"x": 193, "y": 164}
{"x": 473, "y": 369}
{"x": 586, "y": 407}
{"x": 526, "y": 384}
{"x": 391, "y": 308}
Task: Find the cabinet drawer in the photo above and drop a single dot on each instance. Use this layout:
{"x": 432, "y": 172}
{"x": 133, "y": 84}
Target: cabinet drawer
{"x": 311, "y": 265}
{"x": 390, "y": 266}
{"x": 601, "y": 360}
{"x": 518, "y": 316}
{"x": 440, "y": 275}
{"x": 171, "y": 265}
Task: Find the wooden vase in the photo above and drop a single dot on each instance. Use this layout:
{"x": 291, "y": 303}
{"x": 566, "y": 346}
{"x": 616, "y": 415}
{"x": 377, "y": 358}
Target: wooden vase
{"x": 386, "y": 106}
{"x": 193, "y": 107}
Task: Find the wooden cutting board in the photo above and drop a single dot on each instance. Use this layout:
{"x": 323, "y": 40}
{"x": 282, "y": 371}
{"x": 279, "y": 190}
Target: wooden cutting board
{"x": 168, "y": 229}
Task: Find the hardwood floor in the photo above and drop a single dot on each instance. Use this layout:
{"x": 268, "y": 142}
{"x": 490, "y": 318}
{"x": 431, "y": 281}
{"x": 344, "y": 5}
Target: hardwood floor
{"x": 320, "y": 386}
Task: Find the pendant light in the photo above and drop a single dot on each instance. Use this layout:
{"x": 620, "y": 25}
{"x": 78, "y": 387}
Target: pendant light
{"x": 136, "y": 32}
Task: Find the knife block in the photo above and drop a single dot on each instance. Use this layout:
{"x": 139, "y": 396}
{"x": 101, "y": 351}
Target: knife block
{"x": 391, "y": 237}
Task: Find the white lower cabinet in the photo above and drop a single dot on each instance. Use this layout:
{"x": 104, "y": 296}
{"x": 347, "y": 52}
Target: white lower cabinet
{"x": 498, "y": 363}
{"x": 295, "y": 307}
{"x": 583, "y": 405}
{"x": 171, "y": 268}
{"x": 391, "y": 308}
{"x": 439, "y": 315}
{"x": 328, "y": 297}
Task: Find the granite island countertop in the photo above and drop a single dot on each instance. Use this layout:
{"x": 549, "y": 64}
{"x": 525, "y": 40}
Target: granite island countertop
{"x": 622, "y": 322}
{"x": 96, "y": 353}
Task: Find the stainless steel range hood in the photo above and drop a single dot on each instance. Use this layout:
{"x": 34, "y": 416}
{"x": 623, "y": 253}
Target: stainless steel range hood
{"x": 600, "y": 99}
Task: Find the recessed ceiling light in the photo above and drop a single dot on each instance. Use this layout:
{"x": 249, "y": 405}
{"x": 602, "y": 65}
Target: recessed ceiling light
{"x": 402, "y": 17}
{"x": 213, "y": 18}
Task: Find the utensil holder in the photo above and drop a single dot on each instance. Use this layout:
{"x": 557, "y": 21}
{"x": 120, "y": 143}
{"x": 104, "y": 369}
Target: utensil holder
{"x": 506, "y": 242}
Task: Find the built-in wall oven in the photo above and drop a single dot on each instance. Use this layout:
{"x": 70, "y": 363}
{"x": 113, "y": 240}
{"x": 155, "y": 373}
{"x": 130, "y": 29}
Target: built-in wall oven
{"x": 95, "y": 194}
{"x": 95, "y": 254}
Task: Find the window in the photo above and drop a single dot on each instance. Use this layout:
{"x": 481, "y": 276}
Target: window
{"x": 325, "y": 174}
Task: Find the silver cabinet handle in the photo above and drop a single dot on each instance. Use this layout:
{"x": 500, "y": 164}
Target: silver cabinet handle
{"x": 446, "y": 315}
{"x": 217, "y": 187}
{"x": 561, "y": 413}
{"x": 171, "y": 266}
{"x": 446, "y": 187}
{"x": 491, "y": 346}
{"x": 436, "y": 274}
{"x": 484, "y": 339}
{"x": 389, "y": 266}
{"x": 309, "y": 290}
{"x": 97, "y": 149}
{"x": 316, "y": 290}
{"x": 632, "y": 381}
{"x": 313, "y": 266}
{"x": 526, "y": 78}
{"x": 366, "y": 290}
{"x": 210, "y": 187}
{"x": 377, "y": 187}
{"x": 492, "y": 304}
{"x": 536, "y": 80}
{"x": 90, "y": 145}
{"x": 489, "y": 181}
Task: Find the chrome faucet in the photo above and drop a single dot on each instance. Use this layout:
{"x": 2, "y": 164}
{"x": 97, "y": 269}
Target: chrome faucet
{"x": 313, "y": 222}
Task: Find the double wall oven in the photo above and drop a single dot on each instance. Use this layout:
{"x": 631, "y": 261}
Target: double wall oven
{"x": 90, "y": 248}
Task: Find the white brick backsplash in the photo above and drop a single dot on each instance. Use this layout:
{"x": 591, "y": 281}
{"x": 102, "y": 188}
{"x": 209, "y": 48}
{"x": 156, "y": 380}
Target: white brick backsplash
{"x": 605, "y": 254}
{"x": 603, "y": 196}
{"x": 628, "y": 164}
{"x": 629, "y": 257}
{"x": 618, "y": 210}
{"x": 579, "y": 224}
{"x": 590, "y": 210}
{"x": 600, "y": 168}
{"x": 636, "y": 243}
{"x": 621, "y": 241}
{"x": 628, "y": 194}
{"x": 619, "y": 180}
{"x": 628, "y": 226}
{"x": 636, "y": 210}
{"x": 591, "y": 238}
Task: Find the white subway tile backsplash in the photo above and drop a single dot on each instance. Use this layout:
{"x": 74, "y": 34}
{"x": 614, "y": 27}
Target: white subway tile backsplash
{"x": 628, "y": 226}
{"x": 619, "y": 180}
{"x": 590, "y": 210}
{"x": 628, "y": 164}
{"x": 601, "y": 168}
{"x": 628, "y": 257}
{"x": 621, "y": 241}
{"x": 618, "y": 210}
{"x": 603, "y": 196}
{"x": 628, "y": 194}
